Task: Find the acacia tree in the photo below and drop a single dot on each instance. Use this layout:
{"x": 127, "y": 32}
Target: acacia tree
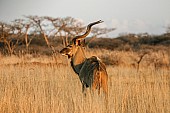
{"x": 66, "y": 28}
{"x": 101, "y": 31}
{"x": 10, "y": 36}
{"x": 26, "y": 25}
{"x": 58, "y": 27}
{"x": 4, "y": 32}
{"x": 69, "y": 27}
{"x": 39, "y": 24}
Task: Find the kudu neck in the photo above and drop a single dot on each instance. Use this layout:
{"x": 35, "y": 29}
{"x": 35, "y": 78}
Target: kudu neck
{"x": 79, "y": 57}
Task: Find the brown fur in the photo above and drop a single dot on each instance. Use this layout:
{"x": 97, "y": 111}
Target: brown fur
{"x": 91, "y": 71}
{"x": 93, "y": 74}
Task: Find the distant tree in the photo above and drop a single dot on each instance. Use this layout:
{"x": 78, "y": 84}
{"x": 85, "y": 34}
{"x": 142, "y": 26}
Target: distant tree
{"x": 10, "y": 36}
{"x": 101, "y": 31}
{"x": 32, "y": 26}
{"x": 66, "y": 28}
{"x": 40, "y": 23}
{"x": 168, "y": 29}
{"x": 96, "y": 32}
{"x": 25, "y": 25}
{"x": 69, "y": 27}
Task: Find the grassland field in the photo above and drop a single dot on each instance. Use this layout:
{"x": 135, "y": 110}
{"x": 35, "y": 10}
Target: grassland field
{"x": 47, "y": 84}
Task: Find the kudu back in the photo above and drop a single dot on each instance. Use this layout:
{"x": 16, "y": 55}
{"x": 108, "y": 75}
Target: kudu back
{"x": 91, "y": 71}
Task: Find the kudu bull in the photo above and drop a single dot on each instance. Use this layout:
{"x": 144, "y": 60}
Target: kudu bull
{"x": 91, "y": 71}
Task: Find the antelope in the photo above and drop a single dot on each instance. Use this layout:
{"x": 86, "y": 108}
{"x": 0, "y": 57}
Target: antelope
{"x": 91, "y": 71}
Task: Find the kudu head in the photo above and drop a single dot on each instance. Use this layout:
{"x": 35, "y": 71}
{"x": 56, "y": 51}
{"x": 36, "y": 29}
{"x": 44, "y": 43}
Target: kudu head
{"x": 77, "y": 42}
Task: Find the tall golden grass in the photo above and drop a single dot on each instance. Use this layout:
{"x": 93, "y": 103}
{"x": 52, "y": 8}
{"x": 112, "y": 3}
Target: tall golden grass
{"x": 39, "y": 85}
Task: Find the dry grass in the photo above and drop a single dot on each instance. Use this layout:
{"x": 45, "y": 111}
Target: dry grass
{"x": 42, "y": 88}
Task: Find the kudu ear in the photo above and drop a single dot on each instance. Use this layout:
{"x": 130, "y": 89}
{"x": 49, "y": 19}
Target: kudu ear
{"x": 79, "y": 42}
{"x": 76, "y": 42}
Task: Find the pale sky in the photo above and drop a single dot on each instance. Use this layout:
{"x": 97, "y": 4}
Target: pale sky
{"x": 127, "y": 16}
